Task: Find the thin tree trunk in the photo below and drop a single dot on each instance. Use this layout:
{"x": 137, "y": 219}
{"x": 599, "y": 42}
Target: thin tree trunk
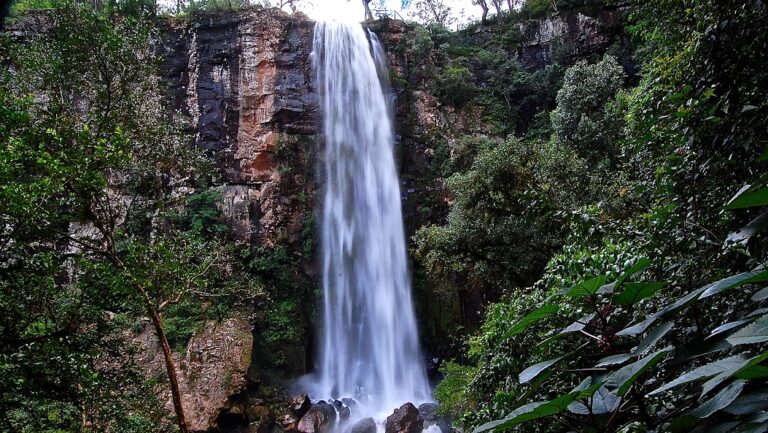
{"x": 170, "y": 366}
{"x": 368, "y": 14}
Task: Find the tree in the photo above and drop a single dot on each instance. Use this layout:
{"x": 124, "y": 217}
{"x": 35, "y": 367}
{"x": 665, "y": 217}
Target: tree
{"x": 484, "y": 5}
{"x": 88, "y": 171}
{"x": 433, "y": 12}
{"x": 584, "y": 117}
{"x": 368, "y": 14}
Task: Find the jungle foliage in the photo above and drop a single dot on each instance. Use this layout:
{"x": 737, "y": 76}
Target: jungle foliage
{"x": 650, "y": 314}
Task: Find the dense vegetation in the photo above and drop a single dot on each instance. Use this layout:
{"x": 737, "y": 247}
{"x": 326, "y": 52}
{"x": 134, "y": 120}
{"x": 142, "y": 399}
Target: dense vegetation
{"x": 649, "y": 225}
{"x": 110, "y": 231}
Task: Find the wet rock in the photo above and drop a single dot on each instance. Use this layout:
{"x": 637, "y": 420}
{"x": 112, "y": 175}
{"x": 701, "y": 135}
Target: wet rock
{"x": 350, "y": 402}
{"x": 429, "y": 411}
{"x": 337, "y": 404}
{"x": 260, "y": 419}
{"x": 318, "y": 419}
{"x": 405, "y": 419}
{"x": 300, "y": 405}
{"x": 344, "y": 413}
{"x": 365, "y": 425}
{"x": 288, "y": 422}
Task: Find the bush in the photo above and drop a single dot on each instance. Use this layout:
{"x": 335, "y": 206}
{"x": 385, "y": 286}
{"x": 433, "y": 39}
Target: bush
{"x": 455, "y": 85}
{"x": 584, "y": 117}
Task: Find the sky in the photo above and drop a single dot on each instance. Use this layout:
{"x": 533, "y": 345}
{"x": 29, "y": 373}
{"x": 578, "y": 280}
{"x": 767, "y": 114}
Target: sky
{"x": 352, "y": 10}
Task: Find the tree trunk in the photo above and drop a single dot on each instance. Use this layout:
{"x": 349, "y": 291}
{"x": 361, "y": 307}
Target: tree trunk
{"x": 170, "y": 367}
{"x": 368, "y": 14}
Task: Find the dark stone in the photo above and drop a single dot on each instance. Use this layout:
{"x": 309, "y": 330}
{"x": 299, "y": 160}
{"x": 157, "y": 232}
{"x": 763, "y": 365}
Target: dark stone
{"x": 344, "y": 413}
{"x": 350, "y": 402}
{"x": 405, "y": 419}
{"x": 365, "y": 425}
{"x": 318, "y": 419}
{"x": 288, "y": 422}
{"x": 300, "y": 405}
{"x": 428, "y": 411}
{"x": 337, "y": 404}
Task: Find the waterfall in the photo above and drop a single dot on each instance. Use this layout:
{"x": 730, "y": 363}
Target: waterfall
{"x": 369, "y": 344}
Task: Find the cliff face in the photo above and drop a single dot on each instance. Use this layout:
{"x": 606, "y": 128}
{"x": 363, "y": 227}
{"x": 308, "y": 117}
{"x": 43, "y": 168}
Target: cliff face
{"x": 245, "y": 82}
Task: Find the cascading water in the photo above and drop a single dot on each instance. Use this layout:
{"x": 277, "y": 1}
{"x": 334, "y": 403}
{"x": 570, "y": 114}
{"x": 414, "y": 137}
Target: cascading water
{"x": 369, "y": 346}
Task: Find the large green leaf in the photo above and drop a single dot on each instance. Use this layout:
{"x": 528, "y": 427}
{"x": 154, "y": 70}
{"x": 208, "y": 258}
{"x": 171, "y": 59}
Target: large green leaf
{"x": 586, "y": 288}
{"x": 652, "y": 338}
{"x": 541, "y": 409}
{"x": 742, "y": 370}
{"x": 622, "y": 379}
{"x": 540, "y": 313}
{"x": 720, "y": 400}
{"x": 722, "y": 329}
{"x": 634, "y": 292}
{"x": 614, "y": 360}
{"x": 686, "y": 300}
{"x": 755, "y": 332}
{"x": 639, "y": 266}
{"x": 531, "y": 372}
{"x": 703, "y": 372}
{"x": 756, "y": 276}
{"x": 761, "y": 295}
{"x": 746, "y": 198}
{"x": 757, "y": 423}
{"x": 749, "y": 403}
{"x": 578, "y": 325}
{"x": 604, "y": 401}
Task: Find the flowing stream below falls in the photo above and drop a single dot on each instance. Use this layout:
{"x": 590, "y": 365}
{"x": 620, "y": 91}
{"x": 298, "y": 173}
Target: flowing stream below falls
{"x": 369, "y": 339}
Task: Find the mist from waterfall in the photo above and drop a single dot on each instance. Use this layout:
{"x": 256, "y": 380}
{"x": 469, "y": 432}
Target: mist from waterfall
{"x": 369, "y": 344}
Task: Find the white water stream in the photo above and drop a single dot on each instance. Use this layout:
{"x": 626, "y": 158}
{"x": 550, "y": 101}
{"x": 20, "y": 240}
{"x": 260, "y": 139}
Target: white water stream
{"x": 369, "y": 344}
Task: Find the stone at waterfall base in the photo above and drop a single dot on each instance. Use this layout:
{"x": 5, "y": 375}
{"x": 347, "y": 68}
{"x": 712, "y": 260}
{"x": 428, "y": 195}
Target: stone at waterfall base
{"x": 318, "y": 419}
{"x": 300, "y": 405}
{"x": 365, "y": 425}
{"x": 429, "y": 411}
{"x": 405, "y": 419}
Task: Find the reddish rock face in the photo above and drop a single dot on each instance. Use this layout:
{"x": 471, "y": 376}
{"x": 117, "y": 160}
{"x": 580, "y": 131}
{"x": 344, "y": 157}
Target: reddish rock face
{"x": 245, "y": 82}
{"x": 405, "y": 419}
{"x": 212, "y": 370}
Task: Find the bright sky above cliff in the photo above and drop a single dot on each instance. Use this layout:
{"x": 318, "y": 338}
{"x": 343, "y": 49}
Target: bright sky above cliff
{"x": 352, "y": 10}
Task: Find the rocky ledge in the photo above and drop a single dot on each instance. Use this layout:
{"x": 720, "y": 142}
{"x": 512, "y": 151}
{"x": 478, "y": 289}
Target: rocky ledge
{"x": 301, "y": 415}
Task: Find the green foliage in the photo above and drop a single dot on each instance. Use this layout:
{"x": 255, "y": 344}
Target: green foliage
{"x": 202, "y": 216}
{"x": 92, "y": 239}
{"x": 585, "y": 117}
{"x": 611, "y": 328}
{"x": 454, "y": 390}
{"x": 495, "y": 233}
{"x": 455, "y": 85}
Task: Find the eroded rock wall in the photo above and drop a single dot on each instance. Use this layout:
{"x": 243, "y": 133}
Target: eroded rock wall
{"x": 244, "y": 82}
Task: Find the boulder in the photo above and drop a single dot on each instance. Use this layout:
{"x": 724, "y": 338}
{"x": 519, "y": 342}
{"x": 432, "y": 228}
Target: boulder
{"x": 300, "y": 405}
{"x": 288, "y": 422}
{"x": 405, "y": 419}
{"x": 428, "y": 411}
{"x": 365, "y": 425}
{"x": 320, "y": 418}
{"x": 344, "y": 413}
{"x": 350, "y": 402}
